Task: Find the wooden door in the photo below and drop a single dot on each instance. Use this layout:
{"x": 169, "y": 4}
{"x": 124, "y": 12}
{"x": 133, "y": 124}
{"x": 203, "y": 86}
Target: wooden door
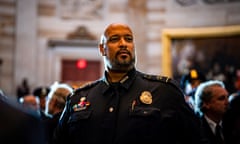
{"x": 76, "y": 76}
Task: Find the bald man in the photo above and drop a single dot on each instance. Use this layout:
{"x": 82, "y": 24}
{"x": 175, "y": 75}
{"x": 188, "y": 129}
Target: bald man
{"x": 126, "y": 105}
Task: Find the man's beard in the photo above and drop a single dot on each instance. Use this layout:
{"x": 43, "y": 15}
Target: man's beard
{"x": 122, "y": 65}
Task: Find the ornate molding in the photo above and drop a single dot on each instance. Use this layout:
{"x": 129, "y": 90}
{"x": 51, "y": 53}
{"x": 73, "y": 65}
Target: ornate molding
{"x": 81, "y": 33}
{"x": 79, "y": 37}
{"x": 186, "y": 2}
{"x": 192, "y": 2}
{"x": 219, "y": 1}
{"x": 81, "y": 9}
{"x": 73, "y": 43}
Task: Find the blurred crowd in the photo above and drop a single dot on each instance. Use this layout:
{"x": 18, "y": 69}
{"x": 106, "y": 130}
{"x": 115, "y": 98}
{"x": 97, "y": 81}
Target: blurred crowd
{"x": 41, "y": 108}
{"x": 210, "y": 99}
{"x": 215, "y": 105}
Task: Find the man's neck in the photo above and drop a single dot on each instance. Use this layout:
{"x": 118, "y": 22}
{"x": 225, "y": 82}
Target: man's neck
{"x": 214, "y": 117}
{"x": 114, "y": 76}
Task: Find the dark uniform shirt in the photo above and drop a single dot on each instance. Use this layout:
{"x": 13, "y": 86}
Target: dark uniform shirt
{"x": 139, "y": 109}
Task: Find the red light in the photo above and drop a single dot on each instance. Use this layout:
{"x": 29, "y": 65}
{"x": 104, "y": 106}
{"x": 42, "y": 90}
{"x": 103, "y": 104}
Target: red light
{"x": 81, "y": 64}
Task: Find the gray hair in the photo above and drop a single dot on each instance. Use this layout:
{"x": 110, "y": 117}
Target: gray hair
{"x": 60, "y": 91}
{"x": 204, "y": 94}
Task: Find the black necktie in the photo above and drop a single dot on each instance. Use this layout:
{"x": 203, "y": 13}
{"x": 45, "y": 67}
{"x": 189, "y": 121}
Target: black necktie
{"x": 218, "y": 134}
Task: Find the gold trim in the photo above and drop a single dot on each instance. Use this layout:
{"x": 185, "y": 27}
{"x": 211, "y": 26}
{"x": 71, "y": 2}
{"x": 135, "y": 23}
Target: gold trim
{"x": 183, "y": 33}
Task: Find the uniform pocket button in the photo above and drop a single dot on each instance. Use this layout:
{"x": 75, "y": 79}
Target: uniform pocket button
{"x": 111, "y": 109}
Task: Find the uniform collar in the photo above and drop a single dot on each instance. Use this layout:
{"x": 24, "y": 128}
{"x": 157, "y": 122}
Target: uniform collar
{"x": 125, "y": 82}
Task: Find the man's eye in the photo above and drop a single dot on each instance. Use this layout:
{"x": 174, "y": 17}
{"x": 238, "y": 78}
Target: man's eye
{"x": 129, "y": 38}
{"x": 113, "y": 39}
{"x": 223, "y": 97}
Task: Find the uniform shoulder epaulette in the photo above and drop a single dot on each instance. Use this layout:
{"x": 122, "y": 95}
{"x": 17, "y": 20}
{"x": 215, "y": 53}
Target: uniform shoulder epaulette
{"x": 163, "y": 79}
{"x": 86, "y": 86}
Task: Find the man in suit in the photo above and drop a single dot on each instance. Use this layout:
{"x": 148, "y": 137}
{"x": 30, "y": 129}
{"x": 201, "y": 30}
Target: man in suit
{"x": 18, "y": 125}
{"x": 55, "y": 103}
{"x": 211, "y": 103}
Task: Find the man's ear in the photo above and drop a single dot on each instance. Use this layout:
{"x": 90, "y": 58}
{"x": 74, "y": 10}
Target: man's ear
{"x": 102, "y": 49}
{"x": 206, "y": 105}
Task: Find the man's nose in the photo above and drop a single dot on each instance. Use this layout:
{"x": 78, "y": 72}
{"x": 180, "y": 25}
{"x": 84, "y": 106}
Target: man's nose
{"x": 122, "y": 43}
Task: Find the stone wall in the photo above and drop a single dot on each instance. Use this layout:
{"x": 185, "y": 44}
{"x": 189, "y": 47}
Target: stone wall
{"x": 7, "y": 44}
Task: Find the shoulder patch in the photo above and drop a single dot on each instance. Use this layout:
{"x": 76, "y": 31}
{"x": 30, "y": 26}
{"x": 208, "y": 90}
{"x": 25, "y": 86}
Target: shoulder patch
{"x": 163, "y": 79}
{"x": 157, "y": 78}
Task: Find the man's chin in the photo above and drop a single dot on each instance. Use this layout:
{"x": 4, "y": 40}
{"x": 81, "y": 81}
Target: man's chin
{"x": 124, "y": 60}
{"x": 122, "y": 68}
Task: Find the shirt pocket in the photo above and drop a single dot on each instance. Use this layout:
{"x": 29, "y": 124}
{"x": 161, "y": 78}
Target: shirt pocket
{"x": 145, "y": 123}
{"x": 78, "y": 121}
{"x": 144, "y": 117}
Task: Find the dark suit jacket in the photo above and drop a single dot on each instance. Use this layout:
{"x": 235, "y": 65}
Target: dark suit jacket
{"x": 209, "y": 135}
{"x": 231, "y": 121}
{"x": 50, "y": 125}
{"x": 18, "y": 125}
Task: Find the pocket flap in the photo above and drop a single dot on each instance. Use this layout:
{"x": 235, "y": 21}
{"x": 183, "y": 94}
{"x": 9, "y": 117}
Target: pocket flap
{"x": 144, "y": 111}
{"x": 80, "y": 115}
